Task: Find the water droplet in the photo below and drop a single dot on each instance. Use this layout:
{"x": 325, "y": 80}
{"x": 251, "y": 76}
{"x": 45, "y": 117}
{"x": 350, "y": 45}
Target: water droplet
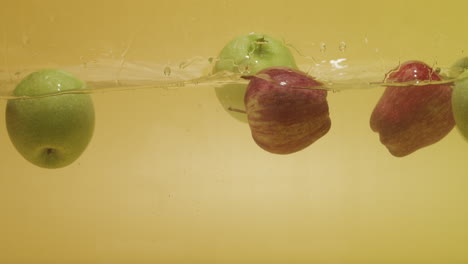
{"x": 167, "y": 71}
{"x": 342, "y": 46}
{"x": 323, "y": 47}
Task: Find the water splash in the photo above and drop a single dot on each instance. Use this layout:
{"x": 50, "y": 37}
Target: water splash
{"x": 338, "y": 74}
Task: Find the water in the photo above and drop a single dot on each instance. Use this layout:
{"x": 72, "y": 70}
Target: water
{"x": 170, "y": 177}
{"x": 169, "y": 168}
{"x": 112, "y": 76}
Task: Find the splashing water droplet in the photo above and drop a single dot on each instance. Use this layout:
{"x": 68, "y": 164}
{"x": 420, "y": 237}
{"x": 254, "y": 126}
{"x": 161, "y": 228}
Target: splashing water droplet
{"x": 323, "y": 47}
{"x": 342, "y": 46}
{"x": 167, "y": 71}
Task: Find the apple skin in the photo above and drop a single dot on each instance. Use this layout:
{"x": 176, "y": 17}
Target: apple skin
{"x": 412, "y": 117}
{"x": 460, "y": 104}
{"x": 52, "y": 131}
{"x": 253, "y": 52}
{"x": 284, "y": 114}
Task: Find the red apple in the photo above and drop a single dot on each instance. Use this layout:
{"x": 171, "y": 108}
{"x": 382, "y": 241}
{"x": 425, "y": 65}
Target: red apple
{"x": 410, "y": 117}
{"x": 284, "y": 112}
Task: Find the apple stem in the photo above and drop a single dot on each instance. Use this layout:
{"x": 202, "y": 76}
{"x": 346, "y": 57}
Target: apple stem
{"x": 237, "y": 110}
{"x": 260, "y": 43}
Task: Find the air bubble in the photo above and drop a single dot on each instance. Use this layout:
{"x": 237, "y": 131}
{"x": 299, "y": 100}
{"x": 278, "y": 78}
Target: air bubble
{"x": 167, "y": 71}
{"x": 243, "y": 67}
{"x": 342, "y": 46}
{"x": 26, "y": 39}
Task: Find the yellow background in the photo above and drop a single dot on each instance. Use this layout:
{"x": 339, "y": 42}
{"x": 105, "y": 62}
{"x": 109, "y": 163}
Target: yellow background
{"x": 169, "y": 177}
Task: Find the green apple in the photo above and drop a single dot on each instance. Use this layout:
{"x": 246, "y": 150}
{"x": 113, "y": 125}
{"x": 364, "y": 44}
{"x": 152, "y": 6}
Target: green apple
{"x": 459, "y": 67}
{"x": 461, "y": 63}
{"x": 248, "y": 55}
{"x": 460, "y": 103}
{"x": 50, "y": 131}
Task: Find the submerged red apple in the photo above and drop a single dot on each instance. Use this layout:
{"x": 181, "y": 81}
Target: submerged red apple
{"x": 284, "y": 113}
{"x": 410, "y": 117}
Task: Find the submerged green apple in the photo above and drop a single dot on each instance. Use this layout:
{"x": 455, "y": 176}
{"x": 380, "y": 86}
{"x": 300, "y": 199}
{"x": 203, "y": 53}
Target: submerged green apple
{"x": 460, "y": 103}
{"x": 50, "y": 131}
{"x": 248, "y": 55}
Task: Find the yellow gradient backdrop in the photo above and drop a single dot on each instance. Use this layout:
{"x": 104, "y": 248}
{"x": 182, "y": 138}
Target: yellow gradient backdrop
{"x": 169, "y": 177}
